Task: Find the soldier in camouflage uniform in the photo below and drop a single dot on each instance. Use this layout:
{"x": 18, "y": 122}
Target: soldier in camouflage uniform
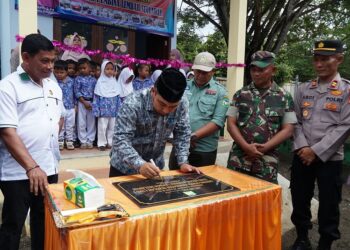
{"x": 323, "y": 111}
{"x": 260, "y": 117}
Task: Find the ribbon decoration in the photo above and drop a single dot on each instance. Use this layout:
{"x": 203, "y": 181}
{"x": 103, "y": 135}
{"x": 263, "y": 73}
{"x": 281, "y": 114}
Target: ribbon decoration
{"x": 127, "y": 59}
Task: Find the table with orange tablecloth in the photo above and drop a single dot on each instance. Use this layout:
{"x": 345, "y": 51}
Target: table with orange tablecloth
{"x": 246, "y": 219}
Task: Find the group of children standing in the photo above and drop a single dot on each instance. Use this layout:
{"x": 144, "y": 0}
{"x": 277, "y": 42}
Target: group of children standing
{"x": 92, "y": 92}
{"x": 95, "y": 92}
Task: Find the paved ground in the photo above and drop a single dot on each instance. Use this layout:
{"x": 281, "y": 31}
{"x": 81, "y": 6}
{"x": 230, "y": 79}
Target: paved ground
{"x": 97, "y": 163}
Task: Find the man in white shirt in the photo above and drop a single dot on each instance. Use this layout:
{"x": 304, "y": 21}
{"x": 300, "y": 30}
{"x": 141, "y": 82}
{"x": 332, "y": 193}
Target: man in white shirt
{"x": 31, "y": 113}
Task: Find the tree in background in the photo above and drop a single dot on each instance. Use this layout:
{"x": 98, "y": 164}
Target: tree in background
{"x": 287, "y": 28}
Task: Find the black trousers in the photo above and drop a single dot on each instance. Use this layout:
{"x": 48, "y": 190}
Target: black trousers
{"x": 17, "y": 200}
{"x": 302, "y": 184}
{"x": 197, "y": 159}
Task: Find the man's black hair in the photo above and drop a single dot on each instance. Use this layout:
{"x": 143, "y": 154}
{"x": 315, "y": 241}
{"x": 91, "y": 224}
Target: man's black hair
{"x": 93, "y": 65}
{"x": 83, "y": 61}
{"x": 60, "y": 64}
{"x": 33, "y": 43}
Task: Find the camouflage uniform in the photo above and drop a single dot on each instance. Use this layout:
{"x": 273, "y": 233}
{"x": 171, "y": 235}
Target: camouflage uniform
{"x": 260, "y": 117}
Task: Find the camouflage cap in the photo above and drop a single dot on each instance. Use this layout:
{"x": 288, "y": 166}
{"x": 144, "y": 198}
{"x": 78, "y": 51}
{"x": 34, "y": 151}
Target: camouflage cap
{"x": 262, "y": 59}
{"x": 328, "y": 47}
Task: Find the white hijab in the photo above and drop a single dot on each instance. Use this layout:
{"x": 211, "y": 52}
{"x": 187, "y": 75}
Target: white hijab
{"x": 126, "y": 88}
{"x": 155, "y": 75}
{"x": 106, "y": 86}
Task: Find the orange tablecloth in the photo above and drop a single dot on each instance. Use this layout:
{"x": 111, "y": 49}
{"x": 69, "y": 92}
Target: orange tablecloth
{"x": 246, "y": 219}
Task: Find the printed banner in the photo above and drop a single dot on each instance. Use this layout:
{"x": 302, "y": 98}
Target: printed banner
{"x": 154, "y": 16}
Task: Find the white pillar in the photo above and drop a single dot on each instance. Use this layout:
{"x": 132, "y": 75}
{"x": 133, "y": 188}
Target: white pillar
{"x": 236, "y": 45}
{"x": 27, "y": 17}
{"x": 173, "y": 40}
{"x": 5, "y": 38}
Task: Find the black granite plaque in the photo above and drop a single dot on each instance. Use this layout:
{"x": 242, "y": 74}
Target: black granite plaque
{"x": 161, "y": 190}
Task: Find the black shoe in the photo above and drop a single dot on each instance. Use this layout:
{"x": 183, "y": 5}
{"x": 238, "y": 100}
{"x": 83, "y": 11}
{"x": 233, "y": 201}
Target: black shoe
{"x": 76, "y": 144}
{"x": 324, "y": 244}
{"x": 102, "y": 148}
{"x": 301, "y": 244}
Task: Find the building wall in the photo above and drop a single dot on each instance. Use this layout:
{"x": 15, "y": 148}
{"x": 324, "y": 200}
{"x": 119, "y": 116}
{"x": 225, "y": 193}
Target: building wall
{"x": 8, "y": 33}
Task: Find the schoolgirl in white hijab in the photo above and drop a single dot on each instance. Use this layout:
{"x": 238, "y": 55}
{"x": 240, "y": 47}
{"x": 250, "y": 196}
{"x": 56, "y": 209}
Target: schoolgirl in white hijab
{"x": 155, "y": 75}
{"x": 105, "y": 105}
{"x": 107, "y": 86}
{"x": 125, "y": 82}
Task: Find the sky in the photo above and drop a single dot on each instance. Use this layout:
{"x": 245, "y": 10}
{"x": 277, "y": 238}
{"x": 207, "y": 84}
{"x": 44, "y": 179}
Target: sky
{"x": 204, "y": 32}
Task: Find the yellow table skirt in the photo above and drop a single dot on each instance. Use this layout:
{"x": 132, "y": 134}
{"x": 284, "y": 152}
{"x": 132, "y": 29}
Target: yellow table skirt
{"x": 246, "y": 219}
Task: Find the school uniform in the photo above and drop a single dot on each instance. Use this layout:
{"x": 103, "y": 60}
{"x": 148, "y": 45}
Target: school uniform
{"x": 105, "y": 107}
{"x": 84, "y": 87}
{"x": 67, "y": 132}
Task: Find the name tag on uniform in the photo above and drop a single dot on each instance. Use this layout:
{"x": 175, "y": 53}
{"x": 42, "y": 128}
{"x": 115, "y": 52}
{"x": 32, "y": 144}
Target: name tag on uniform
{"x": 308, "y": 97}
{"x": 334, "y": 99}
{"x": 210, "y": 92}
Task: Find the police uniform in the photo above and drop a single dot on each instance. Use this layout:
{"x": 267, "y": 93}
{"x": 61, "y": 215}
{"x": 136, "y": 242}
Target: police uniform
{"x": 323, "y": 112}
{"x": 259, "y": 117}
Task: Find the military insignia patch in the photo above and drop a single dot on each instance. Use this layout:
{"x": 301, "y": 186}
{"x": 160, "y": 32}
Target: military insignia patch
{"x": 334, "y": 84}
{"x": 306, "y": 104}
{"x": 305, "y": 113}
{"x": 320, "y": 45}
{"x": 226, "y": 101}
{"x": 337, "y": 92}
{"x": 50, "y": 91}
{"x": 331, "y": 106}
{"x": 313, "y": 84}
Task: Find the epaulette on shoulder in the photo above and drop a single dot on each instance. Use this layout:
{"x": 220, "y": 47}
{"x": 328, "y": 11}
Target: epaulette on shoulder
{"x": 345, "y": 80}
{"x": 310, "y": 81}
{"x": 220, "y": 84}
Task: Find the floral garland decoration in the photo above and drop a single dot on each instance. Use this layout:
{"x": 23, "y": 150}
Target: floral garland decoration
{"x": 127, "y": 59}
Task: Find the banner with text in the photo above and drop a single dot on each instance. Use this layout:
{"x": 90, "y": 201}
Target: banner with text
{"x": 154, "y": 16}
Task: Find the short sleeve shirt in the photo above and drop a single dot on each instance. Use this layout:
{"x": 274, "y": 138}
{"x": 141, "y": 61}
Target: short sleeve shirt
{"x": 208, "y": 103}
{"x": 35, "y": 112}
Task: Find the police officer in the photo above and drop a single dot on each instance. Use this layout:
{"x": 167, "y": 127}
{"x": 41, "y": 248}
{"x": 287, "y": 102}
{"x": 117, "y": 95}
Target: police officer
{"x": 208, "y": 105}
{"x": 260, "y": 117}
{"x": 323, "y": 111}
